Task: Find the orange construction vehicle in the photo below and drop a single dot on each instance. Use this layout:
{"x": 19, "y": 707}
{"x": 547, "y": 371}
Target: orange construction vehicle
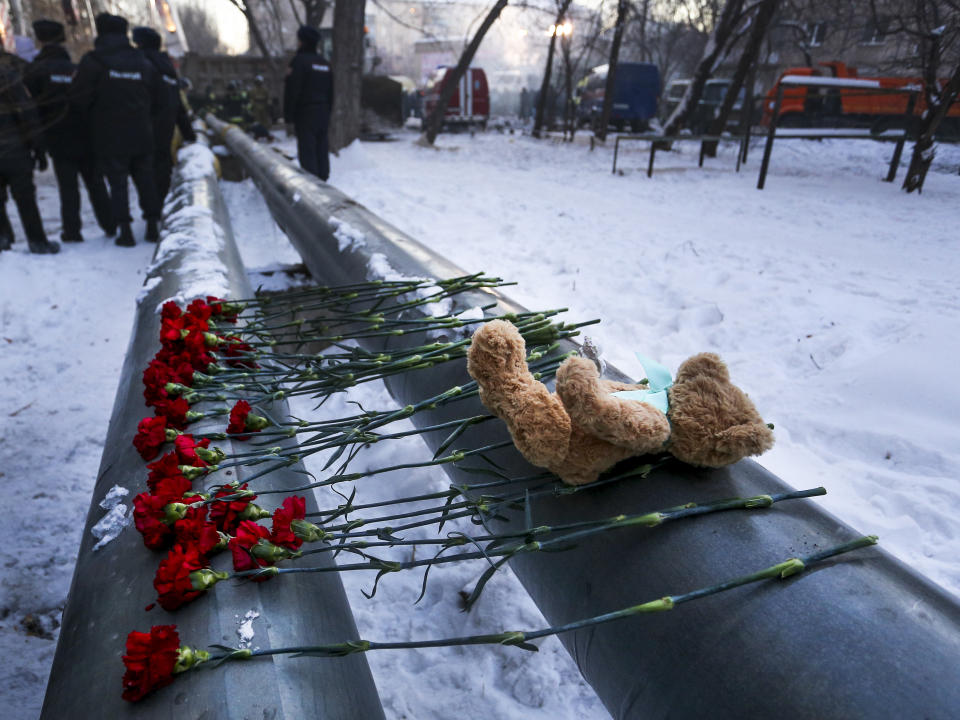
{"x": 827, "y": 106}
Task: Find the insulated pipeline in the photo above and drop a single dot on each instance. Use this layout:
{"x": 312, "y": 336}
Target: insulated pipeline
{"x": 864, "y": 636}
{"x": 112, "y": 585}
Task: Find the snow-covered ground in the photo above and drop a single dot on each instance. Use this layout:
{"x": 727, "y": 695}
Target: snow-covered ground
{"x": 831, "y": 295}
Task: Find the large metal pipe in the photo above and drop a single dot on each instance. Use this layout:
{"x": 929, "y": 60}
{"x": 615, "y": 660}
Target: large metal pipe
{"x": 111, "y": 586}
{"x": 865, "y": 636}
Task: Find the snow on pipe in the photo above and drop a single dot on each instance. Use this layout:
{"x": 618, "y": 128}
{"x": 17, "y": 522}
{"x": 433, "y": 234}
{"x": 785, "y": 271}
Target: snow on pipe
{"x": 865, "y": 636}
{"x": 112, "y": 584}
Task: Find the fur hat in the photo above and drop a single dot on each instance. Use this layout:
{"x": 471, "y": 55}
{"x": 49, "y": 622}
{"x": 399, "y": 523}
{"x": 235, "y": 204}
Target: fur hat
{"x": 48, "y": 31}
{"x": 108, "y": 24}
{"x": 146, "y": 38}
{"x": 309, "y": 36}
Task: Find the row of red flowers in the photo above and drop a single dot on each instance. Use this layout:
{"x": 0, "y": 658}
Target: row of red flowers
{"x": 191, "y": 525}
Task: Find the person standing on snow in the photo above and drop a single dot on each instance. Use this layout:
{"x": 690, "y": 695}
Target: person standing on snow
{"x": 20, "y": 147}
{"x": 119, "y": 91}
{"x": 171, "y": 115}
{"x": 260, "y": 103}
{"x": 48, "y": 78}
{"x": 307, "y": 101}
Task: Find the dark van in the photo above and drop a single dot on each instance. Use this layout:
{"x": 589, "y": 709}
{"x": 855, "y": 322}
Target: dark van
{"x": 635, "y": 93}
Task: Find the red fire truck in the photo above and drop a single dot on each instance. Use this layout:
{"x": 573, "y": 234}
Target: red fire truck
{"x": 849, "y": 107}
{"x": 470, "y": 105}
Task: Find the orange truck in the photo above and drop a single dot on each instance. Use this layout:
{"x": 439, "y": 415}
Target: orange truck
{"x": 837, "y": 106}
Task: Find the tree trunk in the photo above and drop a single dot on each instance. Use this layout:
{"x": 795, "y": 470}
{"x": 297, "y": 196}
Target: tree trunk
{"x": 569, "y": 120}
{"x": 452, "y": 82}
{"x": 722, "y": 32}
{"x": 601, "y": 131}
{"x": 544, "y": 96}
{"x": 347, "y": 72}
{"x": 254, "y": 26}
{"x": 923, "y": 150}
{"x": 748, "y": 60}
{"x": 644, "y": 52}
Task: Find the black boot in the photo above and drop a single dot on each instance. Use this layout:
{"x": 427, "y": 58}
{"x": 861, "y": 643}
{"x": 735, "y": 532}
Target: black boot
{"x": 71, "y": 237}
{"x": 126, "y": 236}
{"x": 153, "y": 231}
{"x": 6, "y": 241}
{"x": 44, "y": 247}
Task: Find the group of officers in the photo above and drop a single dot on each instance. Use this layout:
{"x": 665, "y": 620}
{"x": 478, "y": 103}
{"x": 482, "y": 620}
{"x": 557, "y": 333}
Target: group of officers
{"x": 112, "y": 118}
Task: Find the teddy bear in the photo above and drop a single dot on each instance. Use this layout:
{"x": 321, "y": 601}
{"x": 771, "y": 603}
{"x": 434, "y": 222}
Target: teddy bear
{"x": 585, "y": 429}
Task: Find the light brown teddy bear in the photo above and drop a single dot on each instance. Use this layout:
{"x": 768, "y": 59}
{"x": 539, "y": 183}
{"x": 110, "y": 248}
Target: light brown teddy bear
{"x": 583, "y": 430}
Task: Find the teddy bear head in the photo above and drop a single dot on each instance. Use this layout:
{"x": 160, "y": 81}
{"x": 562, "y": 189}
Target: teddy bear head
{"x": 713, "y": 422}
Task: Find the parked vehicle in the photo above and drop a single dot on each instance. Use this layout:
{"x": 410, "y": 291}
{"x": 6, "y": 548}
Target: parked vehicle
{"x": 714, "y": 92}
{"x": 635, "y": 92}
{"x": 839, "y": 107}
{"x": 672, "y": 97}
{"x": 469, "y": 106}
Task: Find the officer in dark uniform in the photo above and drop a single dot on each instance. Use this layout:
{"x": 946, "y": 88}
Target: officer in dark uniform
{"x": 307, "y": 101}
{"x": 118, "y": 89}
{"x": 20, "y": 146}
{"x": 171, "y": 115}
{"x": 48, "y": 79}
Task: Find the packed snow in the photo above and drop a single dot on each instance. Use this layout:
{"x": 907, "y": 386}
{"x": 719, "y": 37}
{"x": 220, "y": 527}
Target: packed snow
{"x": 831, "y": 295}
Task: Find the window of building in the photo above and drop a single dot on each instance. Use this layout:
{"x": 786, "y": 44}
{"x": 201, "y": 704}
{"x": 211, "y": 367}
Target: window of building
{"x": 817, "y": 32}
{"x": 874, "y": 32}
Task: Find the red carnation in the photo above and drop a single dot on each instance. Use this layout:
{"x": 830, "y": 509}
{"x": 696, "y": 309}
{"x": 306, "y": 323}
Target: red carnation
{"x": 150, "y": 661}
{"x": 249, "y": 534}
{"x": 200, "y": 310}
{"x": 223, "y": 310}
{"x": 186, "y": 448}
{"x": 149, "y": 510}
{"x": 236, "y": 348}
{"x": 167, "y": 466}
{"x": 173, "y": 583}
{"x": 227, "y": 514}
{"x": 238, "y": 419}
{"x": 196, "y": 531}
{"x": 293, "y": 508}
{"x": 174, "y": 410}
{"x": 151, "y": 434}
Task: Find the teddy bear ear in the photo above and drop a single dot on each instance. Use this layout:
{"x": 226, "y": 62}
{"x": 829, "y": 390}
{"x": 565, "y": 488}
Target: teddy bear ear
{"x": 703, "y": 365}
{"x": 739, "y": 441}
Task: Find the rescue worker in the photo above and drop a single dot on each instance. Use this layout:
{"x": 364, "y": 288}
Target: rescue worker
{"x": 20, "y": 147}
{"x": 260, "y": 103}
{"x": 307, "y": 101}
{"x": 48, "y": 78}
{"x": 172, "y": 113}
{"x": 118, "y": 89}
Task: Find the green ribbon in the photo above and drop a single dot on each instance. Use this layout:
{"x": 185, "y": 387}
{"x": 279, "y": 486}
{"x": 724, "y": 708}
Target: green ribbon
{"x": 659, "y": 380}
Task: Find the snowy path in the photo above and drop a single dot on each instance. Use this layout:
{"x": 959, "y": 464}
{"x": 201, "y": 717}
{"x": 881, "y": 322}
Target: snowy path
{"x": 65, "y": 321}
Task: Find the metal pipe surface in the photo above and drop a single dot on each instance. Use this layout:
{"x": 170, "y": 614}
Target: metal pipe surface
{"x": 111, "y": 586}
{"x": 863, "y": 636}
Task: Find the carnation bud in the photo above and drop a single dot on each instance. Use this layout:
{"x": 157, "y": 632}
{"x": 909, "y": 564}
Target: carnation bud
{"x": 173, "y": 512}
{"x": 266, "y": 550}
{"x": 254, "y": 512}
{"x": 171, "y": 434}
{"x": 192, "y": 473}
{"x": 188, "y": 657}
{"x": 307, "y": 531}
{"x": 211, "y": 340}
{"x": 235, "y": 489}
{"x": 232, "y": 308}
{"x": 214, "y": 368}
{"x": 208, "y": 455}
{"x": 223, "y": 544}
{"x": 206, "y": 578}
{"x": 194, "y": 415}
{"x": 255, "y": 423}
{"x": 175, "y": 389}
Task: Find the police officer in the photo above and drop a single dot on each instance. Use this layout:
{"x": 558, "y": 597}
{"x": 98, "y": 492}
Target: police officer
{"x": 171, "y": 115}
{"x": 48, "y": 79}
{"x": 118, "y": 89}
{"x": 307, "y": 101}
{"x": 20, "y": 147}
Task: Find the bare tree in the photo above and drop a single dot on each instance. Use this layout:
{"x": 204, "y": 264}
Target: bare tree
{"x": 248, "y": 9}
{"x": 623, "y": 6}
{"x": 543, "y": 99}
{"x": 452, "y": 82}
{"x": 200, "y": 29}
{"x": 348, "y": 32}
{"x": 934, "y": 27}
{"x": 720, "y": 40}
{"x": 759, "y": 24}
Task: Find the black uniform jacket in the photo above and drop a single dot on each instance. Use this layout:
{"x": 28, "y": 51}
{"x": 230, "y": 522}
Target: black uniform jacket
{"x": 119, "y": 92}
{"x": 309, "y": 82}
{"x": 172, "y": 113}
{"x": 49, "y": 78}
